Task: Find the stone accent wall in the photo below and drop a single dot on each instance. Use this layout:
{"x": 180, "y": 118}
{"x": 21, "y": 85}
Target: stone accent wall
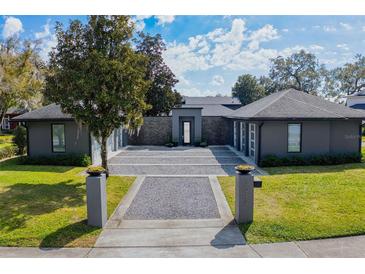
{"x": 154, "y": 131}
{"x": 216, "y": 130}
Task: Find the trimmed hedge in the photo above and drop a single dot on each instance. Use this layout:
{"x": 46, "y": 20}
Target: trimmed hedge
{"x": 323, "y": 159}
{"x": 7, "y": 152}
{"x": 58, "y": 160}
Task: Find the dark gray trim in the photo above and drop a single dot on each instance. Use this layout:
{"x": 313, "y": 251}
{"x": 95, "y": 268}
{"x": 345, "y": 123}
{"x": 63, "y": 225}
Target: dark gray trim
{"x": 64, "y": 133}
{"x": 26, "y": 127}
{"x": 287, "y": 137}
{"x": 360, "y": 137}
{"x": 291, "y": 119}
{"x": 43, "y": 120}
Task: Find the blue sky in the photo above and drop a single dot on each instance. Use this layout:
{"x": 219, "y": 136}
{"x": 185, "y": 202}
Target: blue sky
{"x": 208, "y": 53}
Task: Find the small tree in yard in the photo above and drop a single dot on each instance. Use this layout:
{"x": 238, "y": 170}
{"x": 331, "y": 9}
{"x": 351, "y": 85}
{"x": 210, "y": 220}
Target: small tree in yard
{"x": 20, "y": 139}
{"x": 96, "y": 76}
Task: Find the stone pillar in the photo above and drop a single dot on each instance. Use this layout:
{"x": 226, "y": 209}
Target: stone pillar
{"x": 244, "y": 198}
{"x": 96, "y": 200}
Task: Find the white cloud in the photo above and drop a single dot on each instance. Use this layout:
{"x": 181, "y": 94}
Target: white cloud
{"x": 343, "y": 46}
{"x": 142, "y": 17}
{"x": 13, "y": 26}
{"x": 346, "y": 26}
{"x": 48, "y": 40}
{"x": 363, "y": 28}
{"x": 285, "y": 30}
{"x": 164, "y": 19}
{"x": 329, "y": 28}
{"x": 316, "y": 27}
{"x": 266, "y": 33}
{"x": 45, "y": 33}
{"x": 197, "y": 92}
{"x": 217, "y": 80}
{"x": 316, "y": 47}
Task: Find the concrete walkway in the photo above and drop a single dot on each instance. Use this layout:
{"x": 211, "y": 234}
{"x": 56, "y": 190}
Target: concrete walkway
{"x": 347, "y": 247}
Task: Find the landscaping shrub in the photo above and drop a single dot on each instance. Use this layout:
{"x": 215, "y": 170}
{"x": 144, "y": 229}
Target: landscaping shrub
{"x": 323, "y": 159}
{"x": 59, "y": 160}
{"x": 20, "y": 139}
{"x": 7, "y": 152}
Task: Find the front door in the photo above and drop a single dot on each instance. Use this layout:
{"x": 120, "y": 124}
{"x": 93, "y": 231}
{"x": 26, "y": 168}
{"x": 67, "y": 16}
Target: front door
{"x": 186, "y": 133}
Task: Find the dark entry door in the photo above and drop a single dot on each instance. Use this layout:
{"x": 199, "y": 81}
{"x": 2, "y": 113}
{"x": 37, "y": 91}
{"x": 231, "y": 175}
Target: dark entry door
{"x": 186, "y": 129}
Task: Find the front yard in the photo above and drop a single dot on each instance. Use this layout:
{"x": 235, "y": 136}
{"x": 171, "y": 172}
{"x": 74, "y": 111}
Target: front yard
{"x": 45, "y": 205}
{"x": 302, "y": 203}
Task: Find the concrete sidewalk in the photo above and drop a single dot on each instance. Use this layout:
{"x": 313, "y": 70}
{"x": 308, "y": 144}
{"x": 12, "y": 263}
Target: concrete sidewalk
{"x": 347, "y": 247}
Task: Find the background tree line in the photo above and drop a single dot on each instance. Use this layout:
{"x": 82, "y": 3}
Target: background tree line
{"x": 302, "y": 71}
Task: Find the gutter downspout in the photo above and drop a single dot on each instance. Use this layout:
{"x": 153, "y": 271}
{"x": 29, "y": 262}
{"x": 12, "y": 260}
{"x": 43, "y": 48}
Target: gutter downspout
{"x": 26, "y": 127}
{"x": 259, "y": 150}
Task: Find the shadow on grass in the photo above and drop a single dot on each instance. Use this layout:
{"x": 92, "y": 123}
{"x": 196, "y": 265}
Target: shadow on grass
{"x": 67, "y": 234}
{"x": 20, "y": 202}
{"x": 15, "y": 165}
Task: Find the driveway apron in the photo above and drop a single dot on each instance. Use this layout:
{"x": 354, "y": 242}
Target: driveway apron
{"x": 174, "y": 208}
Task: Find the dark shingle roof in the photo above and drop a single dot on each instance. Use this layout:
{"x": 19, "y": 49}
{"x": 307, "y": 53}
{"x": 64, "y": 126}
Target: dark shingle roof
{"x": 210, "y": 100}
{"x": 294, "y": 104}
{"x": 212, "y": 110}
{"x": 50, "y": 112}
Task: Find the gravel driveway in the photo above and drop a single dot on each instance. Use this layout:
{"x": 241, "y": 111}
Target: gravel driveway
{"x": 173, "y": 198}
{"x": 156, "y": 160}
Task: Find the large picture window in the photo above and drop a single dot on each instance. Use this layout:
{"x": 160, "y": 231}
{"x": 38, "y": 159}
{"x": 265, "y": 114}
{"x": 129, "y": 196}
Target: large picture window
{"x": 294, "y": 137}
{"x": 58, "y": 138}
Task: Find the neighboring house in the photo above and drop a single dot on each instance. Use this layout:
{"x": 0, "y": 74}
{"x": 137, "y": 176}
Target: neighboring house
{"x": 7, "y": 124}
{"x": 356, "y": 100}
{"x": 285, "y": 123}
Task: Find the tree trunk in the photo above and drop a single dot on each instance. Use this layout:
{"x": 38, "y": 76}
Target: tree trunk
{"x": 2, "y": 116}
{"x": 104, "y": 154}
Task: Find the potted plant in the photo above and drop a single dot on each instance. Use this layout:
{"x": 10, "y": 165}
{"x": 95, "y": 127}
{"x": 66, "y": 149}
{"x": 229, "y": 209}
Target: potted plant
{"x": 95, "y": 170}
{"x": 244, "y": 169}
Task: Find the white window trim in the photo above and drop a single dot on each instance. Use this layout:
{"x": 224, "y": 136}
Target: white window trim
{"x": 252, "y": 129}
{"x": 243, "y": 136}
{"x": 235, "y": 134}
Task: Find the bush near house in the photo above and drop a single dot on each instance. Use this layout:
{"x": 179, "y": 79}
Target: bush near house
{"x": 20, "y": 139}
{"x": 59, "y": 160}
{"x": 8, "y": 151}
{"x": 324, "y": 159}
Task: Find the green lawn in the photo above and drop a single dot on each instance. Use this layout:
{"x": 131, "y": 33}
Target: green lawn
{"x": 6, "y": 140}
{"x": 302, "y": 203}
{"x": 45, "y": 205}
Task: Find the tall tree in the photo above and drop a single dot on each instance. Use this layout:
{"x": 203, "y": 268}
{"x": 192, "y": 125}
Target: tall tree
{"x": 161, "y": 94}
{"x": 351, "y": 77}
{"x": 301, "y": 71}
{"x": 96, "y": 76}
{"x": 21, "y": 75}
{"x": 247, "y": 89}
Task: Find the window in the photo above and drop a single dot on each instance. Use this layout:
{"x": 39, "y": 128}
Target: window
{"x": 58, "y": 138}
{"x": 294, "y": 137}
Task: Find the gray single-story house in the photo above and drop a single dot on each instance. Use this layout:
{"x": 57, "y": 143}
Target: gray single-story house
{"x": 285, "y": 123}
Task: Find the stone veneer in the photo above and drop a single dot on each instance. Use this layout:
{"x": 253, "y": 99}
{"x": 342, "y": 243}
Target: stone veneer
{"x": 154, "y": 131}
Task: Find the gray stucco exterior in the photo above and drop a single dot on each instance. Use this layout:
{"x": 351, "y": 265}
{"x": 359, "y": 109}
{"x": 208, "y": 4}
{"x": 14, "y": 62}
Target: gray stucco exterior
{"x": 216, "y": 130}
{"x": 77, "y": 138}
{"x": 189, "y": 114}
{"x": 317, "y": 137}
